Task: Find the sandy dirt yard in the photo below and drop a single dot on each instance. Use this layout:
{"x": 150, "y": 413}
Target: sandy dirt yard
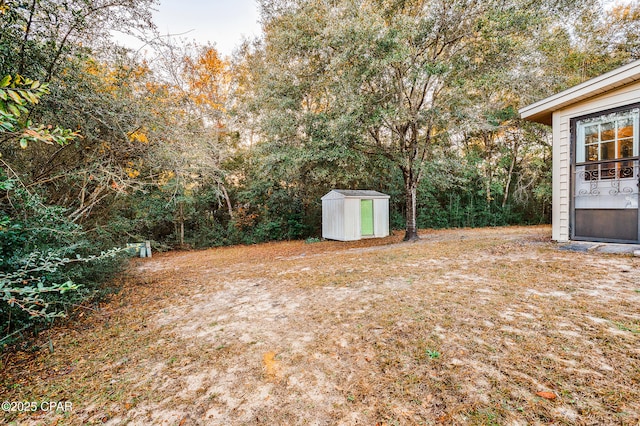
{"x": 481, "y": 327}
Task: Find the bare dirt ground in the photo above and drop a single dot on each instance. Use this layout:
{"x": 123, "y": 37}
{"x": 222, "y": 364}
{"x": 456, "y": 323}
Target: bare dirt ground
{"x": 489, "y": 326}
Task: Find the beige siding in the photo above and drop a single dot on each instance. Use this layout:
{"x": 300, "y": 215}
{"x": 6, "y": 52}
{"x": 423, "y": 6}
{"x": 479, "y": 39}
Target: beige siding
{"x": 561, "y": 149}
{"x": 559, "y": 228}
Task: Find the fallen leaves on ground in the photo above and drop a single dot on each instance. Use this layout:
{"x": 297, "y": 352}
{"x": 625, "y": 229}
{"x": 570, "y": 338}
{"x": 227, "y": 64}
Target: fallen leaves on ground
{"x": 546, "y": 395}
{"x": 462, "y": 327}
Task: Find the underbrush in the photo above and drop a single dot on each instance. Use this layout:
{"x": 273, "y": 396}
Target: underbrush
{"x": 49, "y": 265}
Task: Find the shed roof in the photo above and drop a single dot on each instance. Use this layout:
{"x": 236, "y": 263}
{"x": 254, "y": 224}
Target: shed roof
{"x": 354, "y": 193}
{"x": 541, "y": 111}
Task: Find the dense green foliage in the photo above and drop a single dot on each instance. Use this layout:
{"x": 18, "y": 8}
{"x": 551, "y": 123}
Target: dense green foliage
{"x": 47, "y": 263}
{"x": 100, "y": 146}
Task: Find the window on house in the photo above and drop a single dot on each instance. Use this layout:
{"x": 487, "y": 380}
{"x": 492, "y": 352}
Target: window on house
{"x": 603, "y": 143}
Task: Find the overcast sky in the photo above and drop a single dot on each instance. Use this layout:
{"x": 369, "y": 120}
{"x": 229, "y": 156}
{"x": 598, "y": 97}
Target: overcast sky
{"x": 221, "y": 22}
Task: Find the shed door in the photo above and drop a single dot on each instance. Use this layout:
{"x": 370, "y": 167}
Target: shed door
{"x": 366, "y": 217}
{"x": 605, "y": 182}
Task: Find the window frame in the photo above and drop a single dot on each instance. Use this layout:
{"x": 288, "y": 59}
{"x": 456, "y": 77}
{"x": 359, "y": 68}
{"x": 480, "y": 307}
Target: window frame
{"x": 607, "y": 168}
{"x": 600, "y": 120}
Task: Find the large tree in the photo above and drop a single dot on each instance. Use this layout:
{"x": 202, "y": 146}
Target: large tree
{"x": 388, "y": 76}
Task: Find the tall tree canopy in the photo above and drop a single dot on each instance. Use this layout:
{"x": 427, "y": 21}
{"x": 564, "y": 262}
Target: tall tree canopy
{"x": 388, "y": 77}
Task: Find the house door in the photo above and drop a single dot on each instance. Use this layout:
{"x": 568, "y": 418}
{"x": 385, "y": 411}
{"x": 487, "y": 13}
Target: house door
{"x": 606, "y": 178}
{"x": 366, "y": 218}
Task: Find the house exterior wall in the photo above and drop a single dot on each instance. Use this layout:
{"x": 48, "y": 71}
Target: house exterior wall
{"x": 561, "y": 202}
{"x": 333, "y": 219}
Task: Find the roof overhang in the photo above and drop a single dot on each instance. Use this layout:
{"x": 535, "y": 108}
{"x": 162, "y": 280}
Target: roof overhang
{"x": 541, "y": 111}
{"x": 350, "y": 193}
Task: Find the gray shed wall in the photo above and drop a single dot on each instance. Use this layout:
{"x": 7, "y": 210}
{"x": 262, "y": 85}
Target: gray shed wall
{"x": 381, "y": 218}
{"x": 341, "y": 218}
{"x": 333, "y": 219}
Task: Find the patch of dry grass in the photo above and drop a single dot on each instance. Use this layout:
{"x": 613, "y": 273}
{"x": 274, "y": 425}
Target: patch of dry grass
{"x": 488, "y": 326}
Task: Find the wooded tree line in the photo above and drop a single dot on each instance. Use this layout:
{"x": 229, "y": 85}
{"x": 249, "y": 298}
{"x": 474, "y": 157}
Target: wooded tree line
{"x": 101, "y": 145}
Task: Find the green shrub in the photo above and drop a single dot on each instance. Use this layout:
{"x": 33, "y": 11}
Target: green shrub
{"x": 47, "y": 263}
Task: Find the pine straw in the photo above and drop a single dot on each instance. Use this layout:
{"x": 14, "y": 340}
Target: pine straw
{"x": 490, "y": 326}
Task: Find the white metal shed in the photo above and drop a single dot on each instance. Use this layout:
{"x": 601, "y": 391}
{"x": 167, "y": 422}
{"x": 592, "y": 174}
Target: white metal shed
{"x": 596, "y": 155}
{"x": 349, "y": 215}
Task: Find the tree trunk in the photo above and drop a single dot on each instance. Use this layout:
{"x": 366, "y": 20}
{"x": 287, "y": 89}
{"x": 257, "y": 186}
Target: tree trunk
{"x": 27, "y": 32}
{"x": 507, "y": 185}
{"x": 228, "y": 200}
{"x": 181, "y": 225}
{"x": 411, "y": 232}
{"x": 489, "y": 155}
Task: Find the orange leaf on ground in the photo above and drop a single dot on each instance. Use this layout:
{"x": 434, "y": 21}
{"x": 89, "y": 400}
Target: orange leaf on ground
{"x": 270, "y": 364}
{"x": 546, "y": 395}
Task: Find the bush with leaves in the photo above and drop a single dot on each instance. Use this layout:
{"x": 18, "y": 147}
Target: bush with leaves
{"x": 46, "y": 261}
{"x": 16, "y": 93}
